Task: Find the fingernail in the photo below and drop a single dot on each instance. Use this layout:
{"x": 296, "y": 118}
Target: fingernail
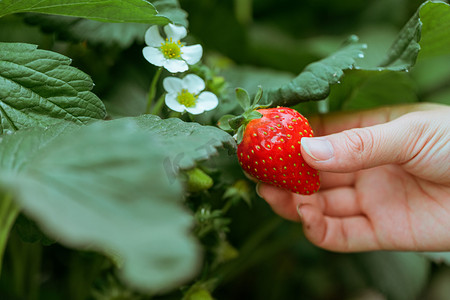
{"x": 257, "y": 189}
{"x": 318, "y": 148}
{"x": 299, "y": 212}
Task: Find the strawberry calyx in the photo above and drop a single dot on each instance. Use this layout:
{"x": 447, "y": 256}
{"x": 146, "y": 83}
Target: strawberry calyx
{"x": 238, "y": 123}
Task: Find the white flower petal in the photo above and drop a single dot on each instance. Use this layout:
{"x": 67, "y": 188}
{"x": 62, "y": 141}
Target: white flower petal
{"x": 193, "y": 83}
{"x": 175, "y": 65}
{"x": 172, "y": 84}
{"x": 176, "y": 32}
{"x": 207, "y": 100}
{"x": 154, "y": 56}
{"x": 192, "y": 54}
{"x": 152, "y": 37}
{"x": 196, "y": 110}
{"x": 172, "y": 103}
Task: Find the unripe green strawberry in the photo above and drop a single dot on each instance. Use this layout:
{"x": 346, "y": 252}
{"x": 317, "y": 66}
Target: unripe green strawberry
{"x": 270, "y": 150}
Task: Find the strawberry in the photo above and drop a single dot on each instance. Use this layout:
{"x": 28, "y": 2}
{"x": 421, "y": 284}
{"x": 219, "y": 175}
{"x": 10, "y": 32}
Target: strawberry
{"x": 269, "y": 145}
{"x": 270, "y": 150}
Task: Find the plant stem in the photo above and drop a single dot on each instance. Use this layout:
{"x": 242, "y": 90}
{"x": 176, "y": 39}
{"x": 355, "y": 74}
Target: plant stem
{"x": 84, "y": 269}
{"x": 227, "y": 206}
{"x": 191, "y": 117}
{"x": 175, "y": 114}
{"x": 152, "y": 90}
{"x": 25, "y": 263}
{"x": 158, "y": 105}
{"x": 8, "y": 213}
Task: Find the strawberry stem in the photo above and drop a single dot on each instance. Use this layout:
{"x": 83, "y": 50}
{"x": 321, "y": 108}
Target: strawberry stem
{"x": 237, "y": 123}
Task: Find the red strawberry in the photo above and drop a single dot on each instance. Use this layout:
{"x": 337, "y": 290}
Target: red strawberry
{"x": 270, "y": 150}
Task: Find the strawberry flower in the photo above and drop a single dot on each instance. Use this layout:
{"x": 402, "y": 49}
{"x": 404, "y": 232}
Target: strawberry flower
{"x": 170, "y": 53}
{"x": 186, "y": 95}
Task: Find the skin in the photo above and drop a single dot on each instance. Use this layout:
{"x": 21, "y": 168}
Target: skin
{"x": 386, "y": 185}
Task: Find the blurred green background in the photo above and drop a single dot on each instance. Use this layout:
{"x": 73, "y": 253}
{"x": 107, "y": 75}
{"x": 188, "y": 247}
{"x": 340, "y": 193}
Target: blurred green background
{"x": 249, "y": 43}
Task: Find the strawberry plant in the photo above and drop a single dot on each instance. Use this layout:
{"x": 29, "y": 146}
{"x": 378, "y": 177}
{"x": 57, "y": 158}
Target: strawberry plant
{"x": 127, "y": 127}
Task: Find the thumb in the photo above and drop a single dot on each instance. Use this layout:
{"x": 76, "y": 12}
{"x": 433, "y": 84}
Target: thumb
{"x": 358, "y": 148}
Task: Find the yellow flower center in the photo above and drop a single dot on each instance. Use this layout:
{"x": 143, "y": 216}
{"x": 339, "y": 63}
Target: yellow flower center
{"x": 187, "y": 99}
{"x": 171, "y": 49}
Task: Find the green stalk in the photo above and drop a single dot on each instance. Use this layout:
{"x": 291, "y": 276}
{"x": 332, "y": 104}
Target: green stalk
{"x": 8, "y": 214}
{"x": 158, "y": 105}
{"x": 227, "y": 206}
{"x": 152, "y": 90}
{"x": 25, "y": 262}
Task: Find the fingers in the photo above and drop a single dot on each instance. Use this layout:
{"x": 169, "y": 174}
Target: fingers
{"x": 331, "y": 219}
{"x": 332, "y": 180}
{"x": 417, "y": 141}
{"x": 338, "y": 202}
{"x": 354, "y": 149}
{"x": 283, "y": 203}
{"x": 384, "y": 138}
{"x": 361, "y": 148}
{"x": 347, "y": 234}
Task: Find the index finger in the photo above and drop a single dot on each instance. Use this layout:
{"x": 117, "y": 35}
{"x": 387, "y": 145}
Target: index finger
{"x": 340, "y": 121}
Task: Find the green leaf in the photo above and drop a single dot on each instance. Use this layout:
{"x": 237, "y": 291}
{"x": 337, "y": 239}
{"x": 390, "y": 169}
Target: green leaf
{"x": 17, "y": 150}
{"x": 240, "y": 134}
{"x": 435, "y": 40}
{"x": 252, "y": 115}
{"x": 432, "y": 76}
{"x": 110, "y": 177}
{"x": 403, "y": 52}
{"x": 236, "y": 122}
{"x": 427, "y": 31}
{"x": 258, "y": 96}
{"x": 243, "y": 98}
{"x": 113, "y": 187}
{"x": 315, "y": 80}
{"x": 360, "y": 89}
{"x": 94, "y": 32}
{"x": 438, "y": 257}
{"x": 171, "y": 9}
{"x": 186, "y": 142}
{"x": 139, "y": 11}
{"x": 39, "y": 88}
{"x": 223, "y": 122}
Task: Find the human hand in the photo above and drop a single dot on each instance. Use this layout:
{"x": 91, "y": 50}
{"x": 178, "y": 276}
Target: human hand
{"x": 385, "y": 181}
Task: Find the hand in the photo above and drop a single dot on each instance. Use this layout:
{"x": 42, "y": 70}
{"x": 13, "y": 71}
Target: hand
{"x": 385, "y": 181}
